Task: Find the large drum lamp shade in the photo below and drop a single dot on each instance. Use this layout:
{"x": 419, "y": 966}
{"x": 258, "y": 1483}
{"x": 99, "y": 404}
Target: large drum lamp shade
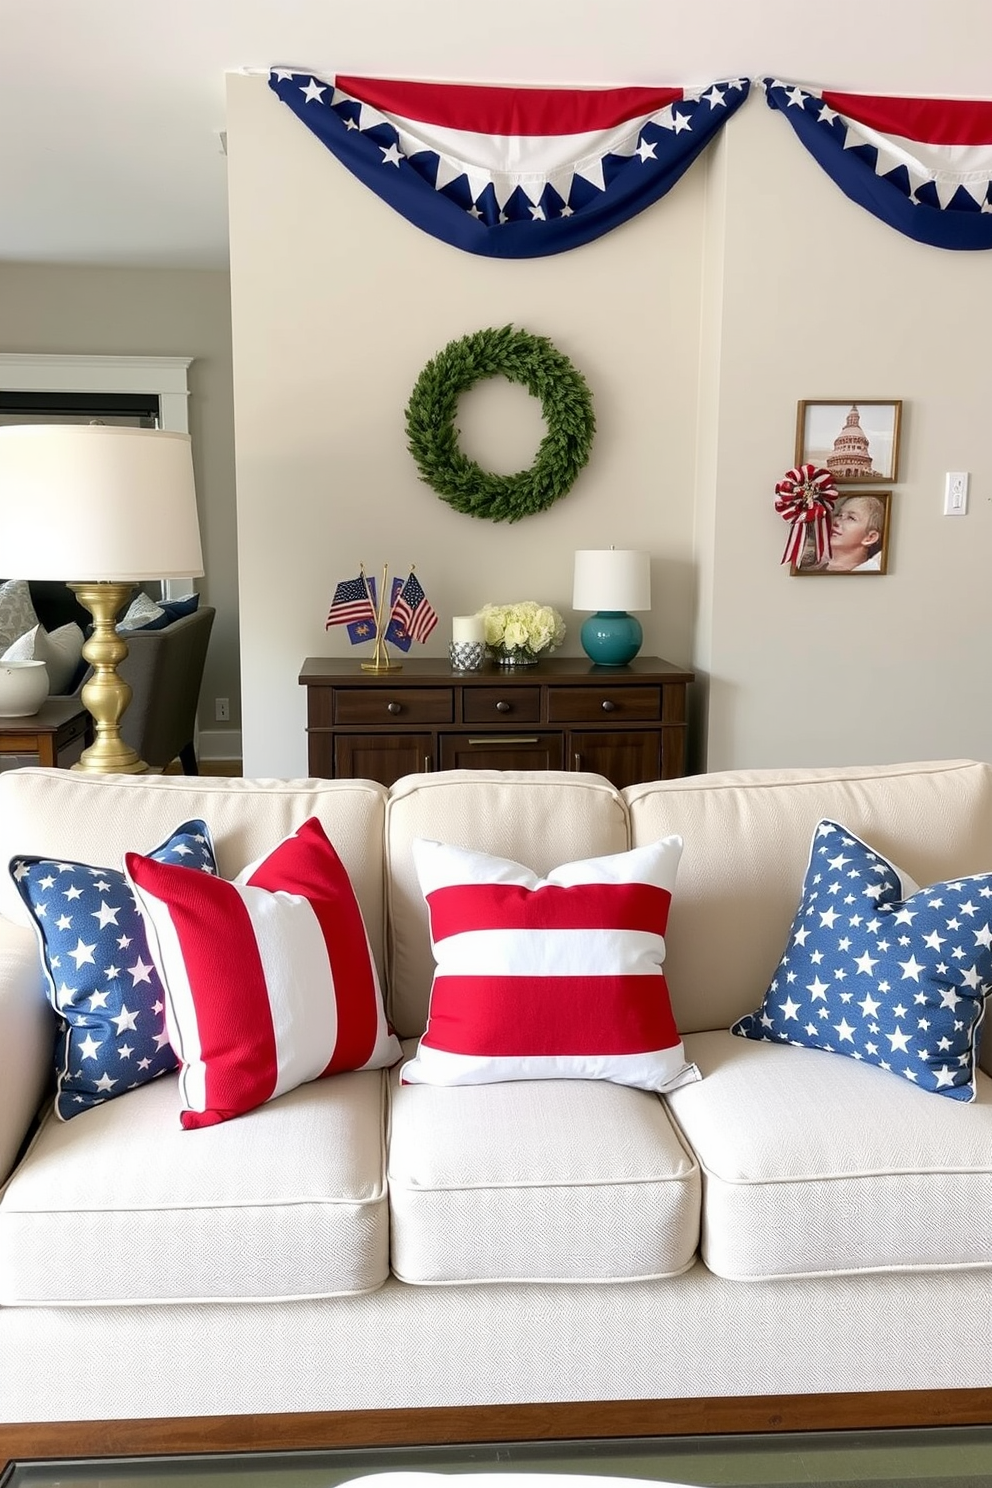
{"x": 97, "y": 502}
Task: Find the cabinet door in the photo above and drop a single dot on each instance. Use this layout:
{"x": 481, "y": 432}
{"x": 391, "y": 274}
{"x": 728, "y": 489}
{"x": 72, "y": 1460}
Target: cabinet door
{"x": 625, "y": 757}
{"x": 501, "y": 751}
{"x": 383, "y": 757}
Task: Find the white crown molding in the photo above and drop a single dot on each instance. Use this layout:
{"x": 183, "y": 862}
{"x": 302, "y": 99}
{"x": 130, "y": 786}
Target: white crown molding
{"x": 47, "y": 372}
{"x": 27, "y": 372}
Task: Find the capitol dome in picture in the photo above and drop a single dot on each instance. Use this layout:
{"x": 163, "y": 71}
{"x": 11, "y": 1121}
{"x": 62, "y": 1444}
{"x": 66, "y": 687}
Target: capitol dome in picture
{"x": 851, "y": 456}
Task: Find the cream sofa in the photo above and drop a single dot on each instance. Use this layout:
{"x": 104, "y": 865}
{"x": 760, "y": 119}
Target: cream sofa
{"x": 795, "y": 1227}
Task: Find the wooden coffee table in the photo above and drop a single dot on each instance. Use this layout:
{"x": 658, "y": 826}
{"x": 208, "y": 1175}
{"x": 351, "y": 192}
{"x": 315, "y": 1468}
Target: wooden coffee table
{"x": 59, "y": 723}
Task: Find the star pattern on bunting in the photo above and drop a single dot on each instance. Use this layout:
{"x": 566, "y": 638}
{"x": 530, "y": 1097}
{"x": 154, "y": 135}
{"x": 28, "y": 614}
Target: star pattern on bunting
{"x": 960, "y": 181}
{"x": 899, "y": 981}
{"x": 519, "y": 190}
{"x": 506, "y": 198}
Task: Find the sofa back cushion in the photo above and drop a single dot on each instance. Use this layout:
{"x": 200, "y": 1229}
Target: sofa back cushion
{"x": 97, "y": 818}
{"x": 747, "y": 836}
{"x": 540, "y": 819}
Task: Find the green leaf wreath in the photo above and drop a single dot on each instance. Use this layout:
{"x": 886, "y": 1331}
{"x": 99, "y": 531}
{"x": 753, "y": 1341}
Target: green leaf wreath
{"x": 566, "y": 404}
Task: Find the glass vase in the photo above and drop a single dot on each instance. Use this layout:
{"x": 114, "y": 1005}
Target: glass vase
{"x": 513, "y": 656}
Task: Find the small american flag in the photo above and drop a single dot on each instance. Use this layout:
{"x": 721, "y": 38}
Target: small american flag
{"x": 352, "y": 601}
{"x": 413, "y": 611}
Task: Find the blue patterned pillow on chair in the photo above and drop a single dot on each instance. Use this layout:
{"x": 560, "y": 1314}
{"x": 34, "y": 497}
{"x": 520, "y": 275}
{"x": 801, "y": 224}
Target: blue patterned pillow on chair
{"x": 881, "y": 970}
{"x": 99, "y": 972}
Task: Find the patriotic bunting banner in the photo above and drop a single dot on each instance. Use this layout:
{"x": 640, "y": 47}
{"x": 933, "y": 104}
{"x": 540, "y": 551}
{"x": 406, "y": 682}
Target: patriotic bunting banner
{"x": 922, "y": 165}
{"x": 511, "y": 172}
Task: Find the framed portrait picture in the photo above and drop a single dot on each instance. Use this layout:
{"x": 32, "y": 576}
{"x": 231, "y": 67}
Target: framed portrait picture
{"x": 857, "y": 440}
{"x": 859, "y": 537}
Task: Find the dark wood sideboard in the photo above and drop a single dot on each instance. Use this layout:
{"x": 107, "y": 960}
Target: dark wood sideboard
{"x": 627, "y": 723}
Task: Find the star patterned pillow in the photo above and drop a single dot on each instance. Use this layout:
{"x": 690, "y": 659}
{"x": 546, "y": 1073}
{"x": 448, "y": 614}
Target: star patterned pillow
{"x": 99, "y": 972}
{"x": 881, "y": 970}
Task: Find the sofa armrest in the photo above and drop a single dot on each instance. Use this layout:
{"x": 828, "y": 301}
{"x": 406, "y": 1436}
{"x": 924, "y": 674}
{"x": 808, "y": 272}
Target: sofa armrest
{"x": 27, "y": 1038}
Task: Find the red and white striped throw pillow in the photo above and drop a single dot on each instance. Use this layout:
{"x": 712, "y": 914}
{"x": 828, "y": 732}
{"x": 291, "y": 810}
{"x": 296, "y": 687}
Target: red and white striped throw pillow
{"x": 556, "y": 978}
{"x": 269, "y": 980}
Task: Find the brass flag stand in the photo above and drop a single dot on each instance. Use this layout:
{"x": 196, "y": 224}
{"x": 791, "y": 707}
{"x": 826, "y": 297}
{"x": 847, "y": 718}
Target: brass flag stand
{"x": 380, "y": 661}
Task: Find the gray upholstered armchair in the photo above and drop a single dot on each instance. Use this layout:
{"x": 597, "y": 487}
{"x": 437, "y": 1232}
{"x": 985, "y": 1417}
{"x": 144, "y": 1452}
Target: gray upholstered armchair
{"x": 164, "y": 669}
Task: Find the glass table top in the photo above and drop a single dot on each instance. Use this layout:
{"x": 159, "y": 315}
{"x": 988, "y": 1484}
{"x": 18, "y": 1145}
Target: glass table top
{"x": 952, "y": 1457}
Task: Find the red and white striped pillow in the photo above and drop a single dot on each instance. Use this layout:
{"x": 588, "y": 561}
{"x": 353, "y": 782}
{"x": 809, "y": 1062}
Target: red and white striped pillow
{"x": 556, "y": 978}
{"x": 269, "y": 980}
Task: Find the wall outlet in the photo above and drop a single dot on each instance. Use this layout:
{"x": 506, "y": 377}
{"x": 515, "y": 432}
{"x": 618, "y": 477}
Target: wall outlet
{"x": 222, "y": 710}
{"x": 956, "y": 493}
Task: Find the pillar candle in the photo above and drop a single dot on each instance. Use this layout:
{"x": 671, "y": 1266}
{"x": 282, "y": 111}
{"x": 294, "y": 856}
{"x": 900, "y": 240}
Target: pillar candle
{"x": 468, "y": 628}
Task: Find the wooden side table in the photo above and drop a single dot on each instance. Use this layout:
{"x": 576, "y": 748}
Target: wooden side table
{"x": 59, "y": 723}
{"x": 628, "y": 723}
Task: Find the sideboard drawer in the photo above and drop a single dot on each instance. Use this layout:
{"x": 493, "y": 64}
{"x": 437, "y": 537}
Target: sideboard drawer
{"x": 606, "y": 704}
{"x": 385, "y": 705}
{"x": 502, "y": 704}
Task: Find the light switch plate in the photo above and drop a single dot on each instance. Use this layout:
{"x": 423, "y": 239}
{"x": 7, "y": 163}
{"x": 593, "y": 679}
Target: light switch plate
{"x": 956, "y": 493}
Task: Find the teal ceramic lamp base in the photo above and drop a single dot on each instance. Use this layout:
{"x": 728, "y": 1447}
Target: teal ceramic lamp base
{"x": 611, "y": 637}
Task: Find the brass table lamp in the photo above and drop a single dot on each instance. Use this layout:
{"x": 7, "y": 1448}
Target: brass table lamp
{"x": 116, "y": 505}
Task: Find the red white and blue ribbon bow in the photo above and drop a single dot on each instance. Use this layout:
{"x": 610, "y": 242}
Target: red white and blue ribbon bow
{"x": 805, "y": 497}
{"x": 511, "y": 172}
{"x": 921, "y": 165}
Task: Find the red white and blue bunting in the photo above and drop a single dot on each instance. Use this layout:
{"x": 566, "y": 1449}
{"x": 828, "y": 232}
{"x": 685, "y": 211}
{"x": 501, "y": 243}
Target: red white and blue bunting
{"x": 511, "y": 172}
{"x": 921, "y": 165}
{"x": 521, "y": 172}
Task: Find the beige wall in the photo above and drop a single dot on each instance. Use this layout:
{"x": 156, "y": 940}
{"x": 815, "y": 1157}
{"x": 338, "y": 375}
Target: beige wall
{"x": 698, "y": 326}
{"x": 821, "y": 300}
{"x": 156, "y": 312}
{"x": 337, "y": 305}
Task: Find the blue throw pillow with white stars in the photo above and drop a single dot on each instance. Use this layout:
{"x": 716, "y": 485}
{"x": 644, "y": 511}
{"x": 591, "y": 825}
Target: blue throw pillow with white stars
{"x": 99, "y": 973}
{"x": 880, "y": 970}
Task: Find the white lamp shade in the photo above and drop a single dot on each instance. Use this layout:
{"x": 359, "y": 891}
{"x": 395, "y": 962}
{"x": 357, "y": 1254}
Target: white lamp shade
{"x": 97, "y": 502}
{"x": 611, "y": 579}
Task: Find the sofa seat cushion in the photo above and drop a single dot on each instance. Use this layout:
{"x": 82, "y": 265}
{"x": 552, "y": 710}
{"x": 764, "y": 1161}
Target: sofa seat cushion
{"x": 121, "y": 1205}
{"x": 818, "y": 1166}
{"x": 537, "y": 1180}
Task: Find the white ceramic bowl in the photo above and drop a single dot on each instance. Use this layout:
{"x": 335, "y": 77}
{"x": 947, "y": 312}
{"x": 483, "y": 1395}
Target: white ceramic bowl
{"x": 23, "y": 688}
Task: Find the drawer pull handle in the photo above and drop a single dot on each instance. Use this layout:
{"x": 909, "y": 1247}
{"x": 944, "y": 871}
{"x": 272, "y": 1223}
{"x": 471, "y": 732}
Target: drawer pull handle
{"x": 576, "y": 761}
{"x": 608, "y": 705}
{"x": 502, "y": 707}
{"x": 501, "y": 739}
{"x": 427, "y": 764}
{"x": 394, "y": 708}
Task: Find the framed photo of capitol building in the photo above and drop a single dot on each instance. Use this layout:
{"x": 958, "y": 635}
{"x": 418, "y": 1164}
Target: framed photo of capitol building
{"x": 857, "y": 440}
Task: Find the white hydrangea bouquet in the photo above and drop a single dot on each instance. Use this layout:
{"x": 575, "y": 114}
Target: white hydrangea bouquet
{"x": 517, "y": 634}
